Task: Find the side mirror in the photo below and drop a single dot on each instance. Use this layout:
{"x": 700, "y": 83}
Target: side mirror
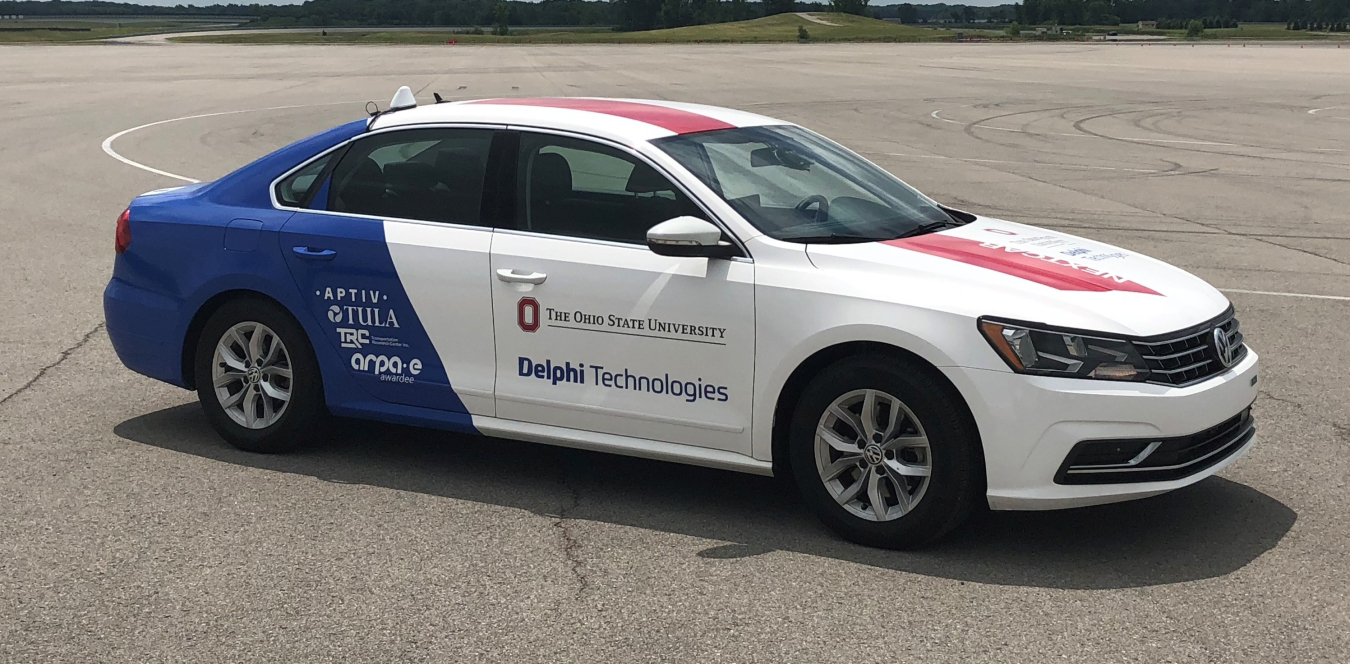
{"x": 690, "y": 237}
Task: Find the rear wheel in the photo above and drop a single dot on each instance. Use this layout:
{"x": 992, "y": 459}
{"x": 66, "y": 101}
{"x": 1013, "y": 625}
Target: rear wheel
{"x": 881, "y": 453}
{"x": 257, "y": 377}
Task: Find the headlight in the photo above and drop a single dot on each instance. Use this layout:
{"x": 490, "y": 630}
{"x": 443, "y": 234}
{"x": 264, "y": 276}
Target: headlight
{"x": 1066, "y": 353}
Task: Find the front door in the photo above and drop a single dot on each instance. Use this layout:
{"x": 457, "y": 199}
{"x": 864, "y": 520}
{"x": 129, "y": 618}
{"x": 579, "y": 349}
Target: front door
{"x": 594, "y": 331}
{"x": 394, "y": 264}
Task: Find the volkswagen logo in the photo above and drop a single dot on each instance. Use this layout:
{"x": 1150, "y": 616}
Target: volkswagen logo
{"x": 872, "y": 454}
{"x": 1224, "y": 347}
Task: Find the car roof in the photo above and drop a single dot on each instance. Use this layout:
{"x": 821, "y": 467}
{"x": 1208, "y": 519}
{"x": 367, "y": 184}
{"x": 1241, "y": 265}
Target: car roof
{"x": 622, "y": 120}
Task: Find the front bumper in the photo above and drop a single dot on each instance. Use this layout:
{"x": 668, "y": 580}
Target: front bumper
{"x": 1030, "y": 424}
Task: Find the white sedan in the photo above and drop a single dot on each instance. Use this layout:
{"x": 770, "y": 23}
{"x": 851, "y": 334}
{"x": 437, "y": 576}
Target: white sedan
{"x": 684, "y": 283}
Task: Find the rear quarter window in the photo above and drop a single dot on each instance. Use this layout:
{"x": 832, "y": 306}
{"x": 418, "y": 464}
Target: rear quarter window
{"x": 296, "y": 189}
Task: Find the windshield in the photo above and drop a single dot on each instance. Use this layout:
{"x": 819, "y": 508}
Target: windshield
{"x": 798, "y": 186}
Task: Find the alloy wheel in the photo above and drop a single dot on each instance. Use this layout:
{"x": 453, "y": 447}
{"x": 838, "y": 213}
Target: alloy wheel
{"x": 873, "y": 455}
{"x": 251, "y": 374}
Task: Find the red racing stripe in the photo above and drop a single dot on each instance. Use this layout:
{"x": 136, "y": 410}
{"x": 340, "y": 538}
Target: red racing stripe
{"x": 670, "y": 119}
{"x": 1045, "y": 269}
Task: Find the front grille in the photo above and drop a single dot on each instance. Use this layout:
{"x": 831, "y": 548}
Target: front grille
{"x": 1155, "y": 459}
{"x": 1190, "y": 356}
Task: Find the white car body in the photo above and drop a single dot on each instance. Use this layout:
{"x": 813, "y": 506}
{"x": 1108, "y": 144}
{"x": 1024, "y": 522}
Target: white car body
{"x": 742, "y": 326}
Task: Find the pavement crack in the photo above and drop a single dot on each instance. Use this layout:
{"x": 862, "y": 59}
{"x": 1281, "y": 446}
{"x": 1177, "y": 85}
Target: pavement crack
{"x": 1342, "y": 431}
{"x": 570, "y": 547}
{"x": 65, "y": 355}
{"x": 1258, "y": 238}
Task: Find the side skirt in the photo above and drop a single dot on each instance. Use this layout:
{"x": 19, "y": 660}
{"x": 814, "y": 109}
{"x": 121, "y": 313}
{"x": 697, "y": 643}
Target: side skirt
{"x": 637, "y": 447}
{"x": 551, "y": 435}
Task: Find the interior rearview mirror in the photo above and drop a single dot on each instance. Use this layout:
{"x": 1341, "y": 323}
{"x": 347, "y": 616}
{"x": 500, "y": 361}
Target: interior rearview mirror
{"x": 689, "y": 236}
{"x": 764, "y": 157}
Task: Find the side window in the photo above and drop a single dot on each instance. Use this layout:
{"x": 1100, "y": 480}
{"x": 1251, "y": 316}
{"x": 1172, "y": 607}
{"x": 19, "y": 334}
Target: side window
{"x": 422, "y": 174}
{"x": 295, "y": 190}
{"x": 578, "y": 188}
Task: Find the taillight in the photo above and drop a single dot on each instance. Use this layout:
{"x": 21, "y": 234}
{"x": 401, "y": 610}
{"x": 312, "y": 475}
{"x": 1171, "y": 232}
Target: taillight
{"x": 122, "y": 240}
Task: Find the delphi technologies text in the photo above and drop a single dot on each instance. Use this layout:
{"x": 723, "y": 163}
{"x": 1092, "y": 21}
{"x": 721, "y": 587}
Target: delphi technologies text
{"x": 576, "y": 374}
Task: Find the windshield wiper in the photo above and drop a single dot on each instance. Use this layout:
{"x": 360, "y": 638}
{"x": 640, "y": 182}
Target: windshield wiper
{"x": 926, "y": 228}
{"x": 829, "y": 238}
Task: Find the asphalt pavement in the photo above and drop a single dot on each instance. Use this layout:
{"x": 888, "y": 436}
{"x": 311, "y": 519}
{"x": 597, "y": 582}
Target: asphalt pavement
{"x": 130, "y": 532}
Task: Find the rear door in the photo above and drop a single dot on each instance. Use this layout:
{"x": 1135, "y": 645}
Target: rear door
{"x": 594, "y": 331}
{"x": 394, "y": 265}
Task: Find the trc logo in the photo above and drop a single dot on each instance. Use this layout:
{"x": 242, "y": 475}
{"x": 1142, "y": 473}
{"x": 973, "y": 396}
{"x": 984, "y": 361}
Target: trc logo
{"x": 352, "y": 337}
{"x": 527, "y": 314}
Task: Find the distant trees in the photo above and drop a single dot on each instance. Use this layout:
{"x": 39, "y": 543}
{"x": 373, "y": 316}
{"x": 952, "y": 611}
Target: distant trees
{"x": 1177, "y": 14}
{"x": 1194, "y": 29}
{"x": 858, "y": 7}
{"x": 638, "y": 14}
{"x": 1206, "y": 22}
{"x": 1320, "y": 15}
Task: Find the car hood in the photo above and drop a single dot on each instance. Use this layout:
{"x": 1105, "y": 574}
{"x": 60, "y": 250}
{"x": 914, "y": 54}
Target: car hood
{"x": 991, "y": 267}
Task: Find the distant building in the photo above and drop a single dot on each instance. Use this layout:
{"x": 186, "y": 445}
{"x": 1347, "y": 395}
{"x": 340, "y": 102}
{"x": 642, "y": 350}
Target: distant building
{"x": 1148, "y": 25}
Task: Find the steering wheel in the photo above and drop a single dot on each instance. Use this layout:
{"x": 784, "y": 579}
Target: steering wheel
{"x": 822, "y": 207}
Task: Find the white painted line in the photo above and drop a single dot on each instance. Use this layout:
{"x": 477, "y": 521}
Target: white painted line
{"x": 1023, "y": 163}
{"x": 935, "y": 116}
{"x": 107, "y": 142}
{"x": 1308, "y": 295}
{"x": 1316, "y": 110}
{"x": 1166, "y": 140}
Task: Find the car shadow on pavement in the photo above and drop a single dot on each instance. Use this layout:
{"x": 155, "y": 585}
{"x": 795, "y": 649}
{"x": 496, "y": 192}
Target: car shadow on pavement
{"x": 1207, "y": 530}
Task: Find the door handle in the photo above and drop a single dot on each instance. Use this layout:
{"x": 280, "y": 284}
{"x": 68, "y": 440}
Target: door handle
{"x": 314, "y": 253}
{"x": 512, "y": 277}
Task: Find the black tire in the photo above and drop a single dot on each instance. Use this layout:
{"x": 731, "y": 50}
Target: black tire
{"x": 955, "y": 485}
{"x": 304, "y": 418}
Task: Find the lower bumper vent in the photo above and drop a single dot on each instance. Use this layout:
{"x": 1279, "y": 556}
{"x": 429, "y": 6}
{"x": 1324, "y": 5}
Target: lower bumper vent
{"x": 1155, "y": 459}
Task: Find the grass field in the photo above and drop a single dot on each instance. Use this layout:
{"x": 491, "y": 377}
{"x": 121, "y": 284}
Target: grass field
{"x": 1257, "y": 31}
{"x": 780, "y": 28}
{"x": 28, "y": 31}
{"x": 1265, "y": 31}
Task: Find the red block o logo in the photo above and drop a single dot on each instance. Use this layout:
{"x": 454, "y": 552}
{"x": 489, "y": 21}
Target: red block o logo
{"x": 527, "y": 314}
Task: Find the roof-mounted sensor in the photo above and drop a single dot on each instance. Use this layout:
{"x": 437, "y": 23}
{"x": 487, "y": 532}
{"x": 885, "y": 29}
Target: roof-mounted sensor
{"x": 403, "y": 99}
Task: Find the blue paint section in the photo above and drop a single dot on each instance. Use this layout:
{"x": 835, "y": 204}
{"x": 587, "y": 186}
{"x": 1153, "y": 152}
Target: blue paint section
{"x": 137, "y": 321}
{"x": 242, "y": 235}
{"x": 356, "y": 297}
{"x": 320, "y": 200}
{"x": 248, "y": 186}
{"x": 184, "y": 252}
{"x": 412, "y": 415}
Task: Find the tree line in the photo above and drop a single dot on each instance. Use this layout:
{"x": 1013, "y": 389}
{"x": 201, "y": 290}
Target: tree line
{"x": 650, "y": 14}
{"x": 1212, "y": 13}
{"x": 98, "y": 8}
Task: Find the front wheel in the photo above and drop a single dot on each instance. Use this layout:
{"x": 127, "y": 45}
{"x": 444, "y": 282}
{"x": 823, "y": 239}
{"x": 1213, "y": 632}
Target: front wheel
{"x": 257, "y": 377}
{"x": 882, "y": 455}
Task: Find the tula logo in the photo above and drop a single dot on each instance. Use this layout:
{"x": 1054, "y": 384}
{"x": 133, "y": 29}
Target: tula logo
{"x": 364, "y": 316}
